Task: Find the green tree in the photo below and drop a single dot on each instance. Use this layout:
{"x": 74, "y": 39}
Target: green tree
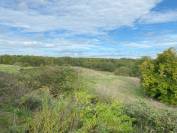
{"x": 159, "y": 76}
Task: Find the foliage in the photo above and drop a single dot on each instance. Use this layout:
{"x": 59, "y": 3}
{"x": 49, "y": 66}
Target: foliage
{"x": 150, "y": 120}
{"x": 60, "y": 80}
{"x": 16, "y": 89}
{"x": 111, "y": 65}
{"x": 122, "y": 71}
{"x": 31, "y": 103}
{"x": 10, "y": 88}
{"x": 159, "y": 77}
{"x": 82, "y": 113}
{"x": 59, "y": 106}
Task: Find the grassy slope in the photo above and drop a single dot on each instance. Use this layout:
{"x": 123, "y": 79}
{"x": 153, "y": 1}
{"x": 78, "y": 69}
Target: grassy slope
{"x": 125, "y": 89}
{"x": 105, "y": 84}
{"x": 9, "y": 68}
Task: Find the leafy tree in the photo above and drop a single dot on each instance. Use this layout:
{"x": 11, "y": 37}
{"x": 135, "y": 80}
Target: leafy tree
{"x": 159, "y": 76}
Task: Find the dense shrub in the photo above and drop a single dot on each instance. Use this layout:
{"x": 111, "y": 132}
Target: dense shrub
{"x": 159, "y": 77}
{"x": 10, "y": 88}
{"x": 21, "y": 91}
{"x": 59, "y": 80}
{"x": 125, "y": 71}
{"x": 80, "y": 114}
{"x": 31, "y": 103}
{"x": 150, "y": 120}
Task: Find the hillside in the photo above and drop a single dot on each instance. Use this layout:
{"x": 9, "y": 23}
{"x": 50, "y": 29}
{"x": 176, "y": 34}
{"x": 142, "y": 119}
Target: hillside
{"x": 107, "y": 85}
{"x": 148, "y": 115}
{"x": 125, "y": 89}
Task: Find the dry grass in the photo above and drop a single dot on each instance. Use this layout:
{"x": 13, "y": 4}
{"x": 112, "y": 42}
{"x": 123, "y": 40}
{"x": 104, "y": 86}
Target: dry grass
{"x": 125, "y": 89}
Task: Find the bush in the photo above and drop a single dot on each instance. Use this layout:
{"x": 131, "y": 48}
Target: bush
{"x": 124, "y": 71}
{"x": 80, "y": 114}
{"x": 59, "y": 80}
{"x": 10, "y": 88}
{"x": 150, "y": 120}
{"x": 16, "y": 91}
{"x": 31, "y": 103}
{"x": 159, "y": 77}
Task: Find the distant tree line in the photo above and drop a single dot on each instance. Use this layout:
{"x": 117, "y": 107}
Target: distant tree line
{"x": 123, "y": 66}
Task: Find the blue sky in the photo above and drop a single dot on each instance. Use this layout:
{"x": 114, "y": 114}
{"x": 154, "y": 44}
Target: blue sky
{"x": 88, "y": 28}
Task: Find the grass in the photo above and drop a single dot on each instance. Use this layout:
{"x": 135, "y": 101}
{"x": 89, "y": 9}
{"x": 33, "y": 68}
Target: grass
{"x": 11, "y": 68}
{"x": 149, "y": 115}
{"x": 125, "y": 89}
{"x": 105, "y": 84}
{"x": 7, "y": 110}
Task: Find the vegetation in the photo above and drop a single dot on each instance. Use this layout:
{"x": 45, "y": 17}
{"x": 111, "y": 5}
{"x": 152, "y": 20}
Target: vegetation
{"x": 149, "y": 115}
{"x": 159, "y": 77}
{"x": 59, "y": 80}
{"x": 148, "y": 119}
{"x": 54, "y": 96}
{"x": 80, "y": 113}
{"x": 46, "y": 99}
{"x": 9, "y": 68}
{"x": 130, "y": 67}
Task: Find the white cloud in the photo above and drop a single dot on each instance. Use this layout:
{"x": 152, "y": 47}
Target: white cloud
{"x": 156, "y": 41}
{"x": 88, "y": 17}
{"x": 53, "y": 44}
{"x": 79, "y": 16}
{"x": 159, "y": 17}
{"x": 140, "y": 44}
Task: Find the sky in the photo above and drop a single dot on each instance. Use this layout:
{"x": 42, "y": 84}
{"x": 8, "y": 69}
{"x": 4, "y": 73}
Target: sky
{"x": 88, "y": 28}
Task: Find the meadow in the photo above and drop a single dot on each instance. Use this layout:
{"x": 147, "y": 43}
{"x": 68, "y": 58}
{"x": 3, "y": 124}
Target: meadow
{"x": 70, "y": 98}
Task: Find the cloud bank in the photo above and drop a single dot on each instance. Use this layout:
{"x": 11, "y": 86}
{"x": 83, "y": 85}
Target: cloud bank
{"x": 79, "y": 16}
{"x": 81, "y": 27}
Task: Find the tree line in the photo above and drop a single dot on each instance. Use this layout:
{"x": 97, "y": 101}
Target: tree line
{"x": 123, "y": 66}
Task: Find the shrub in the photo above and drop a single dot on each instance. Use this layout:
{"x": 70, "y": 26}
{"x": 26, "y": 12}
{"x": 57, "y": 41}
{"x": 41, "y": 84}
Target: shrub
{"x": 10, "y": 89}
{"x": 149, "y": 120}
{"x": 124, "y": 71}
{"x": 31, "y": 103}
{"x": 59, "y": 80}
{"x": 159, "y": 77}
{"x": 80, "y": 114}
